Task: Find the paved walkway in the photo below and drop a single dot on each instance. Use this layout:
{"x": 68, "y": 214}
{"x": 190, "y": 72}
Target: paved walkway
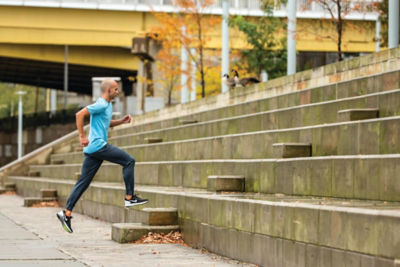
{"x": 34, "y": 237}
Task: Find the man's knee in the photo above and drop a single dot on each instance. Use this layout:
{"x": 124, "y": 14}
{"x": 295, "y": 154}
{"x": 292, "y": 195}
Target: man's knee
{"x": 131, "y": 161}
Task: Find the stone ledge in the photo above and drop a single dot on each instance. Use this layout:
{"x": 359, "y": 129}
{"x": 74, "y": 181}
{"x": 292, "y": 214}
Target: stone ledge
{"x": 152, "y": 140}
{"x": 30, "y": 201}
{"x": 153, "y": 216}
{"x": 128, "y": 232}
{"x": 48, "y": 193}
{"x": 292, "y": 150}
{"x": 218, "y": 183}
{"x": 358, "y": 114}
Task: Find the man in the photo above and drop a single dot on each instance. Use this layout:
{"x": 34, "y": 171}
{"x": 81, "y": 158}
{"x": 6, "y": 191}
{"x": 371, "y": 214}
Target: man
{"x": 96, "y": 150}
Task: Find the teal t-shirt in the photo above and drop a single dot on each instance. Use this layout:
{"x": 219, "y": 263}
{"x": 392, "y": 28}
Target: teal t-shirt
{"x": 100, "y": 118}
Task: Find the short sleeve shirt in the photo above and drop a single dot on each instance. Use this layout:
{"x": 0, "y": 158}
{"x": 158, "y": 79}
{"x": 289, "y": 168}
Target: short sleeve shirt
{"x": 100, "y": 118}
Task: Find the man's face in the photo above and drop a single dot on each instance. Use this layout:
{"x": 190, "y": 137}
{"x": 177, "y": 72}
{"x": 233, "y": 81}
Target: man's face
{"x": 113, "y": 91}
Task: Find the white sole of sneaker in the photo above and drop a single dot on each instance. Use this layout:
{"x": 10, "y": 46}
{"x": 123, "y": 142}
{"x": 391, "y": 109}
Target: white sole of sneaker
{"x": 135, "y": 204}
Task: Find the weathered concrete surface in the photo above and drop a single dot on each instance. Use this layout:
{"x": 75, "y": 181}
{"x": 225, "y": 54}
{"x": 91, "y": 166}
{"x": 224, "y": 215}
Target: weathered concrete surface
{"x": 369, "y": 227}
{"x": 219, "y": 183}
{"x": 372, "y": 177}
{"x": 296, "y": 116}
{"x": 357, "y": 114}
{"x": 48, "y": 193}
{"x": 292, "y": 150}
{"x": 90, "y": 244}
{"x": 21, "y": 247}
{"x": 30, "y": 201}
{"x": 375, "y": 136}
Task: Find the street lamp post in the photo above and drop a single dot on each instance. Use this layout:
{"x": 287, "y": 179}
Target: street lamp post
{"x": 20, "y": 93}
{"x": 225, "y": 42}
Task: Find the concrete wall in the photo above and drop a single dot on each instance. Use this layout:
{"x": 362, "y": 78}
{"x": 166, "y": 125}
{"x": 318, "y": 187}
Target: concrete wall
{"x": 32, "y": 139}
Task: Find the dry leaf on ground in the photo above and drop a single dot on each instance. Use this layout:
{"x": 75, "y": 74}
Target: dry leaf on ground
{"x": 46, "y": 204}
{"x": 156, "y": 238}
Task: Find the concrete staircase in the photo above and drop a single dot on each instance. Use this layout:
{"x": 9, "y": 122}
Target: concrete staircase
{"x": 302, "y": 178}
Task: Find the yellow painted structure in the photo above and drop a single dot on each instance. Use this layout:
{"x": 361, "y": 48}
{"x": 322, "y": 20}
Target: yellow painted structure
{"x": 97, "y": 56}
{"x": 85, "y": 27}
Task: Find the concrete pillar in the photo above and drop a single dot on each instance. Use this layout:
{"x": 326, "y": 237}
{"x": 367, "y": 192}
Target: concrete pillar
{"x": 53, "y": 101}
{"x": 264, "y": 76}
{"x": 291, "y": 38}
{"x": 20, "y": 112}
{"x": 140, "y": 88}
{"x": 225, "y": 43}
{"x": 184, "y": 68}
{"x": 393, "y": 23}
{"x": 193, "y": 68}
{"x": 65, "y": 76}
{"x": 378, "y": 35}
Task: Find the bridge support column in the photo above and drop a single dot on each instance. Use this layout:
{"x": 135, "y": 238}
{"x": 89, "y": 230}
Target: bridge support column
{"x": 141, "y": 88}
{"x": 225, "y": 43}
{"x": 393, "y": 23}
{"x": 291, "y": 38}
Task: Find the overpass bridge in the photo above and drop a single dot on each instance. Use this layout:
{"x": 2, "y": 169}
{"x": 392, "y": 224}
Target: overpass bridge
{"x": 99, "y": 33}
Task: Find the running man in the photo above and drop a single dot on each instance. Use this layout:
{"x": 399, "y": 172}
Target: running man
{"x": 96, "y": 150}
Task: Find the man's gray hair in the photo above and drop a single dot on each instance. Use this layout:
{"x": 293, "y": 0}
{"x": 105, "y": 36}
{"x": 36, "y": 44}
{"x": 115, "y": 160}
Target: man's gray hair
{"x": 105, "y": 84}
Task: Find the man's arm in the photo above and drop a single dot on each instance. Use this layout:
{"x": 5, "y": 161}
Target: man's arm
{"x": 125, "y": 119}
{"x": 80, "y": 119}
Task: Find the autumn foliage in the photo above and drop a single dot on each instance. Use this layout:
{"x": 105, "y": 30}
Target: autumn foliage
{"x": 338, "y": 10}
{"x": 188, "y": 27}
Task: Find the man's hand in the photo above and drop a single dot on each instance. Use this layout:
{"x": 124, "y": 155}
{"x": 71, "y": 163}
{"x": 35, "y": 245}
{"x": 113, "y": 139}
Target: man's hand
{"x": 84, "y": 141}
{"x": 126, "y": 119}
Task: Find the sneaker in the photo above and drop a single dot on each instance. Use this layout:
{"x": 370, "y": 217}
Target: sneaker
{"x": 65, "y": 221}
{"x": 135, "y": 201}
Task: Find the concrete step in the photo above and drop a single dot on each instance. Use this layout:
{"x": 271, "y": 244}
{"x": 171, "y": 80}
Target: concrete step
{"x": 355, "y": 87}
{"x": 152, "y": 140}
{"x": 358, "y": 114}
{"x": 368, "y": 227}
{"x": 48, "y": 193}
{"x": 297, "y": 116}
{"x": 153, "y": 216}
{"x": 292, "y": 150}
{"x": 129, "y": 232}
{"x": 219, "y": 183}
{"x": 10, "y": 186}
{"x": 58, "y": 161}
{"x": 34, "y": 173}
{"x": 185, "y": 122}
{"x": 30, "y": 201}
{"x": 372, "y": 177}
{"x": 376, "y": 136}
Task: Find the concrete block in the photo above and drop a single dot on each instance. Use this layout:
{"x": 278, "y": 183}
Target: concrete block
{"x": 159, "y": 216}
{"x": 128, "y": 232}
{"x": 34, "y": 173}
{"x": 57, "y": 161}
{"x": 77, "y": 175}
{"x": 184, "y": 122}
{"x": 226, "y": 183}
{"x": 10, "y": 186}
{"x": 30, "y": 201}
{"x": 48, "y": 193}
{"x": 357, "y": 114}
{"x": 292, "y": 150}
{"x": 152, "y": 140}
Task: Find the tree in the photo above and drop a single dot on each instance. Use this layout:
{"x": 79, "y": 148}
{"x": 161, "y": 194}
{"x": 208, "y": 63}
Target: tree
{"x": 187, "y": 28}
{"x": 268, "y": 49}
{"x": 338, "y": 10}
{"x": 168, "y": 64}
{"x": 383, "y": 10}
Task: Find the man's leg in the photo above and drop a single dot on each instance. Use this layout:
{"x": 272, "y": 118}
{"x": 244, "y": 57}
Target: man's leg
{"x": 89, "y": 168}
{"x": 116, "y": 155}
